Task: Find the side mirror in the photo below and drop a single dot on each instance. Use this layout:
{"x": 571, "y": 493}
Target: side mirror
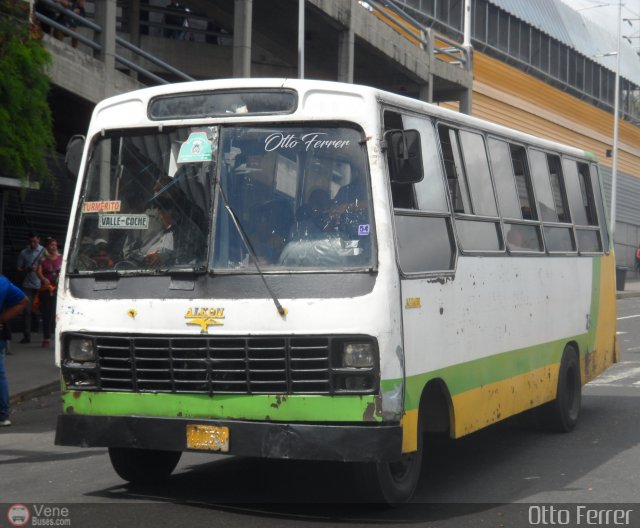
{"x": 405, "y": 156}
{"x": 73, "y": 155}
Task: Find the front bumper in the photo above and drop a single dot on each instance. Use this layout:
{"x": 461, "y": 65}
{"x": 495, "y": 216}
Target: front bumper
{"x": 300, "y": 441}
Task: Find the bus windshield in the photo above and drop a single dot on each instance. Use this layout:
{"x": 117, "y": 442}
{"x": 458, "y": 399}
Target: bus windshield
{"x": 217, "y": 198}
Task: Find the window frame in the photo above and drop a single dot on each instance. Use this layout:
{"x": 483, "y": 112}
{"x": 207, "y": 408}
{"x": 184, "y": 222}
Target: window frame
{"x": 470, "y": 216}
{"x": 563, "y": 191}
{"x": 536, "y": 224}
{"x": 597, "y": 227}
{"x": 416, "y": 212}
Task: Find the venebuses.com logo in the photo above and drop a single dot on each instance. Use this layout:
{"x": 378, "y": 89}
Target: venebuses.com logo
{"x": 18, "y": 515}
{"x": 38, "y": 515}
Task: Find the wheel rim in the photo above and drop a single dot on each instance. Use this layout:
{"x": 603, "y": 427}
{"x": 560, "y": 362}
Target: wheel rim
{"x": 402, "y": 468}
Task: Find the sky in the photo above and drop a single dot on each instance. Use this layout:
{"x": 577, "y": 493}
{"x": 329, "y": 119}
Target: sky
{"x": 605, "y": 13}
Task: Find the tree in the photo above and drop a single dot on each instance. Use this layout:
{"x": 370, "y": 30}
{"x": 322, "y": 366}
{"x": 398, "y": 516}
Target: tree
{"x": 26, "y": 130}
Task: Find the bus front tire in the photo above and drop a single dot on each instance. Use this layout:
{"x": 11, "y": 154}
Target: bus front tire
{"x": 561, "y": 415}
{"x": 143, "y": 466}
{"x": 390, "y": 483}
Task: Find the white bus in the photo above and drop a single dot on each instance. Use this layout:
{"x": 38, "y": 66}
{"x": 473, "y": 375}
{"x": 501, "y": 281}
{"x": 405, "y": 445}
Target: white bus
{"x": 312, "y": 270}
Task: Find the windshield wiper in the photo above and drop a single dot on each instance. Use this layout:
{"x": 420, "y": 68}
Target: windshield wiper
{"x": 249, "y": 247}
{"x": 186, "y": 270}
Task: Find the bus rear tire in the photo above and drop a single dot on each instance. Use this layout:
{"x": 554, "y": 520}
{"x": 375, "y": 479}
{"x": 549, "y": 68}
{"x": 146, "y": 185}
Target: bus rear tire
{"x": 390, "y": 483}
{"x": 143, "y": 466}
{"x": 561, "y": 415}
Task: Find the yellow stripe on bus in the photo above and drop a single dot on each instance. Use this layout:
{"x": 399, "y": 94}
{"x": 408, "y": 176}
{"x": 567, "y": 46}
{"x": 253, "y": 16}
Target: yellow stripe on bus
{"x": 482, "y": 406}
{"x": 605, "y": 346}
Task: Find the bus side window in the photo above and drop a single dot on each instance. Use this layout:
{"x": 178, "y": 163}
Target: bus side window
{"x": 595, "y": 180}
{"x": 453, "y": 170}
{"x": 515, "y": 196}
{"x": 547, "y": 179}
{"x": 467, "y": 167}
{"x": 582, "y": 205}
{"x": 424, "y": 235}
{"x": 523, "y": 182}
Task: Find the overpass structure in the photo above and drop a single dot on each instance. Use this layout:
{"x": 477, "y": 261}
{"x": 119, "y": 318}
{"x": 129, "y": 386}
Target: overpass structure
{"x": 532, "y": 65}
{"x": 345, "y": 40}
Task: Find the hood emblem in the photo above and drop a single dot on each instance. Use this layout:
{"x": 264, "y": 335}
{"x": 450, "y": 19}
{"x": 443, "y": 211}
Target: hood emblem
{"x": 204, "y": 318}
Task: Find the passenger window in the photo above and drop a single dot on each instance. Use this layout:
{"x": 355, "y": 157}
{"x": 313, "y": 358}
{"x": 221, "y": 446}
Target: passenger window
{"x": 424, "y": 234}
{"x": 595, "y": 179}
{"x": 523, "y": 182}
{"x": 453, "y": 170}
{"x": 586, "y": 191}
{"x": 430, "y": 191}
{"x": 467, "y": 170}
{"x": 479, "y": 177}
{"x": 582, "y": 204}
{"x": 504, "y": 178}
{"x": 558, "y": 189}
{"x": 549, "y": 187}
{"x": 515, "y": 197}
{"x": 424, "y": 243}
{"x": 542, "y": 184}
{"x": 523, "y": 237}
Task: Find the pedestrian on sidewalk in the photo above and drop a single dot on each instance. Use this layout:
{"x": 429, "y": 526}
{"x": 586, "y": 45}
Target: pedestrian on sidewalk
{"x": 13, "y": 301}
{"x": 28, "y": 261}
{"x": 48, "y": 272}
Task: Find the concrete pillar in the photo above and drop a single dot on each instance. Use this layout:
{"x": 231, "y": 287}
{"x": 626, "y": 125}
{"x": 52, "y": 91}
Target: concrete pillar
{"x": 466, "y": 99}
{"x": 242, "y": 27}
{"x": 105, "y": 16}
{"x": 426, "y": 90}
{"x": 134, "y": 23}
{"x": 346, "y": 50}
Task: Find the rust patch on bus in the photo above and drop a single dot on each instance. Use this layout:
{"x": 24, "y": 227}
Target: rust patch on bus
{"x": 279, "y": 401}
{"x": 372, "y": 410}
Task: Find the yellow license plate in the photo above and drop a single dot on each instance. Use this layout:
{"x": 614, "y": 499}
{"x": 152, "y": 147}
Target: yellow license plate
{"x": 209, "y": 437}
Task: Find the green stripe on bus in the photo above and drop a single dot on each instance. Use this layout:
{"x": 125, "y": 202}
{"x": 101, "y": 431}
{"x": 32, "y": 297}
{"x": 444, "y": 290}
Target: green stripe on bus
{"x": 296, "y": 408}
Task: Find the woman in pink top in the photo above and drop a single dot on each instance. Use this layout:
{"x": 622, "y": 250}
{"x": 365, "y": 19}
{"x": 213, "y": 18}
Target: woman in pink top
{"x": 48, "y": 271}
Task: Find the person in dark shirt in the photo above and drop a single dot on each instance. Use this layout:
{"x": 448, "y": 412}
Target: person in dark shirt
{"x": 13, "y": 301}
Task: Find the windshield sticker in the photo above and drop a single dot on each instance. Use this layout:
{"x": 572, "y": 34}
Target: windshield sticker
{"x": 101, "y": 207}
{"x": 123, "y": 221}
{"x": 363, "y": 230}
{"x": 196, "y": 148}
{"x": 310, "y": 141}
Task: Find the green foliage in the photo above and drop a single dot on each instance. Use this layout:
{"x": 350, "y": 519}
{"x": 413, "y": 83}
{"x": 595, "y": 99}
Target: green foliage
{"x": 26, "y": 131}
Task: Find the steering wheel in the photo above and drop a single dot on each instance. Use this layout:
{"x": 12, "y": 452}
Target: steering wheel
{"x": 125, "y": 265}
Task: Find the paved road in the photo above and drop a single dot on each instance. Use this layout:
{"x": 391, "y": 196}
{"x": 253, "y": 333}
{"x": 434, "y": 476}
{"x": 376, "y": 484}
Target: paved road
{"x": 485, "y": 479}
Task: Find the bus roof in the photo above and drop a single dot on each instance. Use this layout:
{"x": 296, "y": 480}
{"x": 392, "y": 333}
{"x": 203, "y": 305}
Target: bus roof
{"x": 350, "y": 101}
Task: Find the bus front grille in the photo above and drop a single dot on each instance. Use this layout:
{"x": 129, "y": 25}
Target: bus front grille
{"x": 207, "y": 364}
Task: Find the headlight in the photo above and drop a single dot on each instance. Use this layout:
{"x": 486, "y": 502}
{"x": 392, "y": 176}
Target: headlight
{"x": 81, "y": 349}
{"x": 358, "y": 355}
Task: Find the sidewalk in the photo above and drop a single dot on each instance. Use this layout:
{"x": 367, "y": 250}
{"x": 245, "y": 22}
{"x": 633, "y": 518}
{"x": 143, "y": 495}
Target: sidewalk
{"x": 32, "y": 372}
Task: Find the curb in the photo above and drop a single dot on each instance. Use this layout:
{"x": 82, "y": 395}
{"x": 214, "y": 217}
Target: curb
{"x": 14, "y": 399}
{"x": 627, "y": 294}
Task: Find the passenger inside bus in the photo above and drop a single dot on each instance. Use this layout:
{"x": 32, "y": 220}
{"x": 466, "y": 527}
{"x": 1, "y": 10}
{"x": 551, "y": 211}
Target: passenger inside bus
{"x": 271, "y": 226}
{"x": 312, "y": 218}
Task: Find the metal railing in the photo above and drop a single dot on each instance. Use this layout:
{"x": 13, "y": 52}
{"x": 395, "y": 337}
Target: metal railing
{"x": 437, "y": 45}
{"x": 97, "y": 47}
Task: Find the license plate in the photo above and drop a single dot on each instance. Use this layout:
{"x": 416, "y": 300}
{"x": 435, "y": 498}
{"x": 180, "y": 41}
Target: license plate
{"x": 209, "y": 437}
